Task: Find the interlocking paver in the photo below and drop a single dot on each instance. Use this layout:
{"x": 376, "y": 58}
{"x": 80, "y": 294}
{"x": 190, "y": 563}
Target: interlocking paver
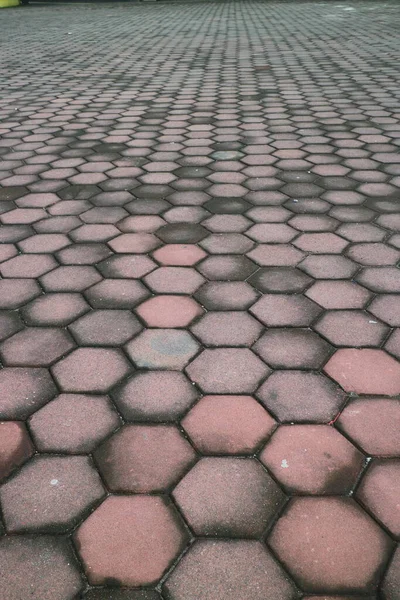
{"x": 227, "y": 371}
{"x": 24, "y": 576}
{"x": 16, "y": 446}
{"x": 199, "y": 296}
{"x": 229, "y": 570}
{"x": 50, "y": 494}
{"x": 73, "y": 423}
{"x": 379, "y": 492}
{"x": 144, "y": 458}
{"x": 294, "y": 348}
{"x": 296, "y": 396}
{"x": 311, "y": 528}
{"x": 312, "y": 459}
{"x": 228, "y": 497}
{"x": 228, "y": 424}
{"x": 155, "y": 396}
{"x": 130, "y": 540}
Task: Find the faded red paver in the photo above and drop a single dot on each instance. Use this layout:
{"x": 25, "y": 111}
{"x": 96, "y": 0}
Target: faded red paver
{"x": 199, "y": 301}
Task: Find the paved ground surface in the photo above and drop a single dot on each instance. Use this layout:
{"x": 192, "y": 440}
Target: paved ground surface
{"x": 200, "y": 233}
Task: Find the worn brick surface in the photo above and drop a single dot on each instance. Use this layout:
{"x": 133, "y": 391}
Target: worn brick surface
{"x": 199, "y": 301}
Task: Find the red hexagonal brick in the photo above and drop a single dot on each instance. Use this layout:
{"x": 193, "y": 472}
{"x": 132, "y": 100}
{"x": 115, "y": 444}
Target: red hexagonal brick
{"x": 296, "y": 396}
{"x": 379, "y": 491}
{"x": 174, "y": 280}
{"x": 162, "y": 349}
{"x": 277, "y": 310}
{"x": 365, "y": 371}
{"x": 50, "y": 493}
{"x": 227, "y": 329}
{"x": 229, "y": 570}
{"x": 312, "y": 459}
{"x": 130, "y": 540}
{"x": 15, "y": 446}
{"x": 73, "y": 423}
{"x": 293, "y": 348}
{"x": 105, "y": 328}
{"x": 36, "y": 347}
{"x": 23, "y": 575}
{"x": 228, "y": 424}
{"x": 91, "y": 370}
{"x": 182, "y": 255}
{"x": 155, "y": 396}
{"x": 169, "y": 311}
{"x": 227, "y": 371}
{"x": 24, "y": 390}
{"x": 55, "y": 309}
{"x": 229, "y": 497}
{"x": 351, "y": 328}
{"x": 373, "y": 423}
{"x": 17, "y": 292}
{"x": 391, "y": 583}
{"x": 134, "y": 243}
{"x": 330, "y": 545}
{"x": 144, "y": 458}
{"x": 338, "y": 294}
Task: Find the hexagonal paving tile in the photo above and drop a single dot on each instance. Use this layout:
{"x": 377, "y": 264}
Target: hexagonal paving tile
{"x": 276, "y": 255}
{"x": 227, "y": 268}
{"x": 296, "y": 396}
{"x": 373, "y": 425}
{"x": 387, "y": 308}
{"x": 391, "y": 583}
{"x": 328, "y": 266}
{"x": 182, "y": 255}
{"x": 105, "y": 328}
{"x": 182, "y": 233}
{"x": 17, "y": 292}
{"x": 338, "y": 294}
{"x": 365, "y": 371}
{"x": 162, "y": 349}
{"x": 134, "y": 243}
{"x": 15, "y": 446}
{"x": 130, "y": 540}
{"x": 116, "y": 293}
{"x": 35, "y": 347}
{"x": 169, "y": 311}
{"x": 229, "y": 497}
{"x": 379, "y": 492}
{"x": 24, "y": 390}
{"x": 380, "y": 279}
{"x": 54, "y": 309}
{"x": 312, "y": 459}
{"x": 227, "y": 329}
{"x": 73, "y": 423}
{"x": 226, "y": 295}
{"x": 174, "y": 280}
{"x": 352, "y": 550}
{"x": 280, "y": 279}
{"x": 23, "y": 575}
{"x": 351, "y": 328}
{"x": 227, "y": 371}
{"x": 228, "y": 425}
{"x": 374, "y": 254}
{"x": 321, "y": 243}
{"x": 155, "y": 396}
{"x": 229, "y": 570}
{"x": 293, "y": 349}
{"x": 50, "y": 494}
{"x": 278, "y": 310}
{"x": 91, "y": 370}
{"x": 144, "y": 458}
